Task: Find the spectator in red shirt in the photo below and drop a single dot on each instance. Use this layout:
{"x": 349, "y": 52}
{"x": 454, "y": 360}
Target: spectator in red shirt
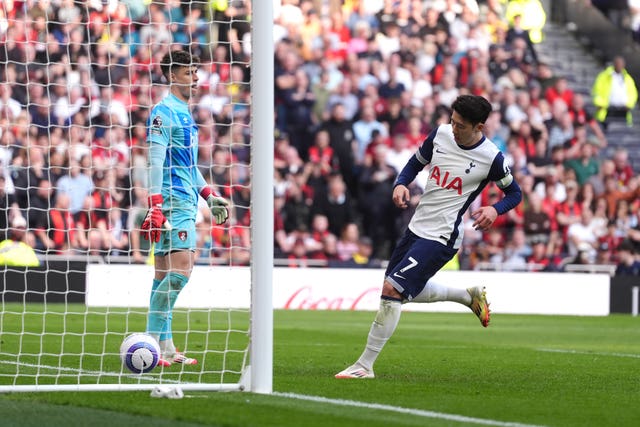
{"x": 93, "y": 221}
{"x": 550, "y": 206}
{"x": 559, "y": 90}
{"x": 624, "y": 171}
{"x": 298, "y": 257}
{"x": 220, "y": 65}
{"x": 321, "y": 242}
{"x": 342, "y": 37}
{"x": 59, "y": 236}
{"x": 542, "y": 257}
{"x": 468, "y": 65}
{"x": 611, "y": 239}
{"x": 568, "y": 211}
{"x": 415, "y": 132}
{"x": 321, "y": 152}
{"x": 580, "y": 115}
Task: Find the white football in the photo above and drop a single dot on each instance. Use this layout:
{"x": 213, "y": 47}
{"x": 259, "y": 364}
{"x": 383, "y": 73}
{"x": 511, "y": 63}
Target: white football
{"x": 139, "y": 353}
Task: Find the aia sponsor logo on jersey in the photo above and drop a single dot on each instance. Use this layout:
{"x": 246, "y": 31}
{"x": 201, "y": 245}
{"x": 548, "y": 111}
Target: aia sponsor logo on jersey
{"x": 446, "y": 180}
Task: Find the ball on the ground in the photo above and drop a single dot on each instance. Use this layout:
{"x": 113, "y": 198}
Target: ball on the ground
{"x": 139, "y": 353}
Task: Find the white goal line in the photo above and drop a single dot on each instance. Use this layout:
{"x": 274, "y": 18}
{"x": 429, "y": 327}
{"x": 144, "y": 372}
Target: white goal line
{"x": 409, "y": 411}
{"x": 107, "y": 387}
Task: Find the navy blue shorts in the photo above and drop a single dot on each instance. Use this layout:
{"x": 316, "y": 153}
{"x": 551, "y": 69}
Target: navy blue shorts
{"x": 414, "y": 261}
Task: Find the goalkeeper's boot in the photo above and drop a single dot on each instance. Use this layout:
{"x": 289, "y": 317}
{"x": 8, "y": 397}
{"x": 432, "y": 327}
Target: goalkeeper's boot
{"x": 168, "y": 360}
{"x": 479, "y": 304}
{"x": 355, "y": 371}
{"x": 182, "y": 359}
{"x": 163, "y": 363}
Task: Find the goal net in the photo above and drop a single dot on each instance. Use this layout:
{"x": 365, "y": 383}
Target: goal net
{"x": 78, "y": 82}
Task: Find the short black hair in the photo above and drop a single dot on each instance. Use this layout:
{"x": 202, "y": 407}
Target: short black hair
{"x": 473, "y": 108}
{"x": 177, "y": 58}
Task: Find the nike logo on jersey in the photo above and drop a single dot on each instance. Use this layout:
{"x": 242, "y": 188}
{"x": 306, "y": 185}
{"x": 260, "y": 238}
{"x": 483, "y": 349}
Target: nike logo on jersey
{"x": 440, "y": 151}
{"x": 399, "y": 276}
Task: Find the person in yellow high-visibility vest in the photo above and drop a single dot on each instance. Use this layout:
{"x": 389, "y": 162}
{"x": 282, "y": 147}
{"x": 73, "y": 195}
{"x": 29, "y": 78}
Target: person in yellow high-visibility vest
{"x": 17, "y": 254}
{"x": 614, "y": 93}
{"x": 533, "y": 17}
{"x": 17, "y": 250}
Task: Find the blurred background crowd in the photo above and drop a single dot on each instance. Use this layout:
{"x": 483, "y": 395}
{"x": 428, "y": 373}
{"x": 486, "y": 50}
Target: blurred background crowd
{"x": 358, "y": 87}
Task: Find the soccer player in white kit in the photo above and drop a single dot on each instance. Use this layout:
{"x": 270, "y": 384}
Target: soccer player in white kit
{"x": 462, "y": 162}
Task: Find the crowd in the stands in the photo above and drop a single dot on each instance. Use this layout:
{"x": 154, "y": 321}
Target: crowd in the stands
{"x": 358, "y": 87}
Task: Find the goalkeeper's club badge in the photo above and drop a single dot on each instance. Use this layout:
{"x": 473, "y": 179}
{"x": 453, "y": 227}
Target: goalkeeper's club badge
{"x": 182, "y": 235}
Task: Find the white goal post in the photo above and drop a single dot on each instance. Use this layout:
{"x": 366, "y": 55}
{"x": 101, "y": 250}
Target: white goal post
{"x": 51, "y": 340}
{"x": 262, "y": 198}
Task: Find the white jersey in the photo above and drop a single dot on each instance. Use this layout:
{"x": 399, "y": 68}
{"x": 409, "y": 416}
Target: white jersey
{"x": 457, "y": 176}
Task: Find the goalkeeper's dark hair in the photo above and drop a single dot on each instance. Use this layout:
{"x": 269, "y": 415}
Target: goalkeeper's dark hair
{"x": 177, "y": 58}
{"x": 475, "y": 109}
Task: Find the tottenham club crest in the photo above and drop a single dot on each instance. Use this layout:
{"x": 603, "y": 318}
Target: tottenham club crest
{"x": 471, "y": 166}
{"x": 182, "y": 235}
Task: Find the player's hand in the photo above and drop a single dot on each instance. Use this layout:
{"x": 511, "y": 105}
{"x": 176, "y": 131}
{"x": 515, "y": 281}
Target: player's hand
{"x": 219, "y": 210}
{"x": 217, "y": 205}
{"x": 484, "y": 217}
{"x": 155, "y": 219}
{"x": 401, "y": 196}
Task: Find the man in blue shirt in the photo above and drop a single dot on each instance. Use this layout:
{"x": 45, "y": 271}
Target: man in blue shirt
{"x": 175, "y": 183}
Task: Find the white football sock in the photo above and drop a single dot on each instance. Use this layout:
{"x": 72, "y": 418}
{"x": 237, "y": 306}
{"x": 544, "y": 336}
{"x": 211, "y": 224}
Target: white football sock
{"x": 167, "y": 348}
{"x": 381, "y": 330}
{"x": 157, "y": 338}
{"x": 434, "y": 292}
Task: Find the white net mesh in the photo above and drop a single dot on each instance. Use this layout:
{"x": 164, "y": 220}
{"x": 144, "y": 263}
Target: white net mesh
{"x": 78, "y": 82}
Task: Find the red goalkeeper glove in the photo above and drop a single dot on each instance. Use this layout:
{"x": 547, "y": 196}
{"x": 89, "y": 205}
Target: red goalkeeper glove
{"x": 217, "y": 205}
{"x": 155, "y": 219}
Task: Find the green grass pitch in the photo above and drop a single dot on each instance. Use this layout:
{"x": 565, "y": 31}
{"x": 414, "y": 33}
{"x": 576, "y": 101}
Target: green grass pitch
{"x": 437, "y": 370}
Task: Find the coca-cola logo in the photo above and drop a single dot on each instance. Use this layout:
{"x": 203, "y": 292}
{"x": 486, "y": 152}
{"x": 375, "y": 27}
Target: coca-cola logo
{"x": 305, "y": 298}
